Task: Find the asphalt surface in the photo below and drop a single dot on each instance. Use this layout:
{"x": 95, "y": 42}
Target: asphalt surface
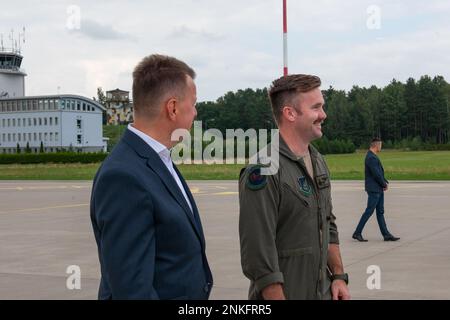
{"x": 45, "y": 228}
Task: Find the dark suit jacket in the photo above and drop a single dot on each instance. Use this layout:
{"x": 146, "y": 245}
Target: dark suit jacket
{"x": 150, "y": 244}
{"x": 374, "y": 173}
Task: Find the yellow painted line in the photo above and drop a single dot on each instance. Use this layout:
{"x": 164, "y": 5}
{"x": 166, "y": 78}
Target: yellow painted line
{"x": 195, "y": 190}
{"x": 222, "y": 188}
{"x": 45, "y": 188}
{"x": 46, "y": 208}
{"x": 227, "y": 193}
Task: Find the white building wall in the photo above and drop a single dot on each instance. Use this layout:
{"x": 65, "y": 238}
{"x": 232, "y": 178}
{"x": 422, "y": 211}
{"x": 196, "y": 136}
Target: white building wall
{"x": 75, "y": 122}
{"x": 33, "y": 127}
{"x": 12, "y": 83}
{"x": 86, "y": 124}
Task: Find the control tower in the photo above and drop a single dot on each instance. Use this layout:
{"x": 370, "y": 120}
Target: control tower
{"x": 12, "y": 77}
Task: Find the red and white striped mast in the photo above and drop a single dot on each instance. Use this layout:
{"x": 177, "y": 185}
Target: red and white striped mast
{"x": 285, "y": 54}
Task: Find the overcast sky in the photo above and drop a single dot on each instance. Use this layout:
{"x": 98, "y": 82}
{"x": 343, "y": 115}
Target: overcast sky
{"x": 231, "y": 44}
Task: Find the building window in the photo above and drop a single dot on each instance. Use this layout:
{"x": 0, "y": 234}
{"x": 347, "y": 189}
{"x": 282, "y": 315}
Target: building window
{"x": 29, "y": 137}
{"x": 18, "y": 122}
{"x": 40, "y": 121}
{"x": 56, "y": 121}
{"x": 79, "y": 138}
{"x": 35, "y": 136}
{"x": 14, "y": 137}
{"x": 9, "y": 122}
{"x": 51, "y": 136}
{"x": 56, "y": 136}
{"x": 34, "y": 121}
{"x": 24, "y": 122}
{"x": 84, "y": 106}
{"x": 78, "y": 106}
{"x": 3, "y": 122}
{"x": 40, "y": 136}
{"x": 19, "y": 136}
{"x": 45, "y": 136}
{"x": 45, "y": 121}
{"x": 14, "y": 122}
{"x": 9, "y": 137}
{"x": 24, "y": 136}
{"x": 51, "y": 121}
{"x": 78, "y": 123}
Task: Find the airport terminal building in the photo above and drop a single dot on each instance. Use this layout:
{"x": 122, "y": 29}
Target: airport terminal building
{"x": 52, "y": 122}
{"x": 58, "y": 121}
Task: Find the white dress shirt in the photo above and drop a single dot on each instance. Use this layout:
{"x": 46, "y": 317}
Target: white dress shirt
{"x": 164, "y": 154}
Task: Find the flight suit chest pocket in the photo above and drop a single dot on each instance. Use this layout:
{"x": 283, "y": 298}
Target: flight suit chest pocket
{"x": 323, "y": 184}
{"x": 322, "y": 181}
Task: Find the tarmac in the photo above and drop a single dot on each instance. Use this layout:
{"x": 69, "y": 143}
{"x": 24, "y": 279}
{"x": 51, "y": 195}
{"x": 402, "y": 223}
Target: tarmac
{"x": 45, "y": 228}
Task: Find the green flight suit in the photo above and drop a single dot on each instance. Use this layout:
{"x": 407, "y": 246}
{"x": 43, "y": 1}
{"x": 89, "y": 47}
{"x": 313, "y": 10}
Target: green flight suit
{"x": 285, "y": 226}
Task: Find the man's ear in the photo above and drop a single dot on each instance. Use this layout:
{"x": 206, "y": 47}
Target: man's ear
{"x": 288, "y": 113}
{"x": 171, "y": 108}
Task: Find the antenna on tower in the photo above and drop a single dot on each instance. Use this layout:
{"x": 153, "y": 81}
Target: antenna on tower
{"x": 21, "y": 37}
{"x": 11, "y": 37}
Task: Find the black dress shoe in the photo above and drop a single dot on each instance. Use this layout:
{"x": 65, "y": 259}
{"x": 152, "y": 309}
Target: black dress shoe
{"x": 359, "y": 237}
{"x": 391, "y": 238}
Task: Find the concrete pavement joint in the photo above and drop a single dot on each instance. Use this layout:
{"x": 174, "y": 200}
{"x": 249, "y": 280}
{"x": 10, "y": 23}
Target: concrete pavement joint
{"x": 396, "y": 247}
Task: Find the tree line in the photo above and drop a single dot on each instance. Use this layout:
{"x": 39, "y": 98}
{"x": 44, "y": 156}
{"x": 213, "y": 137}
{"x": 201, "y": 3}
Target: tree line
{"x": 415, "y": 113}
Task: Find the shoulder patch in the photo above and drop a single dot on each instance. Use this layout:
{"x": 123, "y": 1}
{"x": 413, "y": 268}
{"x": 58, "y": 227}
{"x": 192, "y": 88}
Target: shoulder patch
{"x": 255, "y": 180}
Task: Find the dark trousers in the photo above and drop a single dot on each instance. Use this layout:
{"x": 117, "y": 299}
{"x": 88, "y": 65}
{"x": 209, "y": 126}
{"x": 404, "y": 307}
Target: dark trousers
{"x": 374, "y": 201}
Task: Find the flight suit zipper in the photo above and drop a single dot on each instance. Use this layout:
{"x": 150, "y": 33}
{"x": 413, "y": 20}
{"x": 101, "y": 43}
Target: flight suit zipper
{"x": 316, "y": 190}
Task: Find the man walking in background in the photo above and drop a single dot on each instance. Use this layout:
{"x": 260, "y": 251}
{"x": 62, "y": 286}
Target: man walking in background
{"x": 375, "y": 185}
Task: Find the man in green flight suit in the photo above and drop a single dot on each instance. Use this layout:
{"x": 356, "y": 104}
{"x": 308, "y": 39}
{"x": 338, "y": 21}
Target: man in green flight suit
{"x": 288, "y": 236}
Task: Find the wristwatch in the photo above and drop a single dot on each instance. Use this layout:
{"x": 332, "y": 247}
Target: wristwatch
{"x": 343, "y": 276}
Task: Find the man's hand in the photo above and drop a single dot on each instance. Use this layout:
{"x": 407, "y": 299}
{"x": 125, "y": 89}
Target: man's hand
{"x": 273, "y": 292}
{"x": 339, "y": 290}
{"x": 385, "y": 188}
